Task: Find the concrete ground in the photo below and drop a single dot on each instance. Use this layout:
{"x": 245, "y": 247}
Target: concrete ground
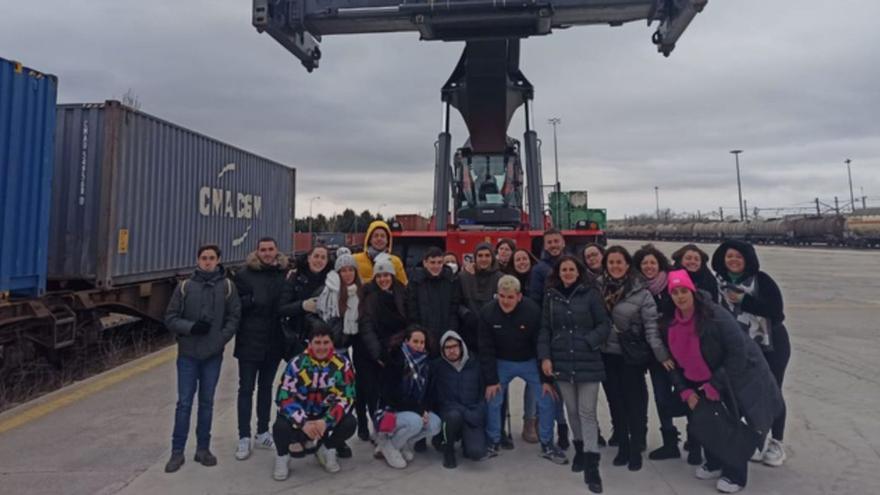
{"x": 111, "y": 434}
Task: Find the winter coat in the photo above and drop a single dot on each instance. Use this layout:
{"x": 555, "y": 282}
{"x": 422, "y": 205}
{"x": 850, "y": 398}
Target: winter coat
{"x": 767, "y": 302}
{"x": 636, "y": 312}
{"x": 316, "y": 389}
{"x": 736, "y": 360}
{"x": 393, "y": 396}
{"x": 300, "y": 285}
{"x": 508, "y": 336}
{"x": 365, "y": 263}
{"x": 433, "y": 302}
{"x": 207, "y": 297}
{"x": 462, "y": 390}
{"x": 479, "y": 288}
{"x": 573, "y": 330}
{"x": 540, "y": 272}
{"x": 382, "y": 315}
{"x": 260, "y": 286}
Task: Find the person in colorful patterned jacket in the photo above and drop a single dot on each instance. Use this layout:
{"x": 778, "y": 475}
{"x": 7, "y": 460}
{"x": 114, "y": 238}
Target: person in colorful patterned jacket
{"x": 315, "y": 401}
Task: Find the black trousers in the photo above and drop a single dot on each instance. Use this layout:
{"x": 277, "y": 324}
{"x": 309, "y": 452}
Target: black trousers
{"x": 473, "y": 438}
{"x": 285, "y": 434}
{"x": 777, "y": 359}
{"x": 668, "y": 404}
{"x": 261, "y": 373}
{"x": 627, "y": 393}
{"x": 367, "y": 387}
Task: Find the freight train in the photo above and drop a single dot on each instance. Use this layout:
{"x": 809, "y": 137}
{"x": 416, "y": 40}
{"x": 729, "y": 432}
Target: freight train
{"x": 859, "y": 230}
{"x": 103, "y": 207}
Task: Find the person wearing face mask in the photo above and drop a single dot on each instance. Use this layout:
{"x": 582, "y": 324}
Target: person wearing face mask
{"x": 405, "y": 379}
{"x": 303, "y": 283}
{"x": 432, "y": 298}
{"x": 378, "y": 241}
{"x": 574, "y": 327}
{"x": 382, "y": 315}
{"x": 593, "y": 254}
{"x": 450, "y": 260}
{"x": 504, "y": 249}
{"x": 203, "y": 316}
{"x": 632, "y": 346}
{"x": 260, "y": 342}
{"x": 477, "y": 290}
{"x": 755, "y": 300}
{"x": 693, "y": 259}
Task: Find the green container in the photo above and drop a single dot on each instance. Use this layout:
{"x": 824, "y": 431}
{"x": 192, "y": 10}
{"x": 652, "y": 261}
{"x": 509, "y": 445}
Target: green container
{"x": 570, "y": 207}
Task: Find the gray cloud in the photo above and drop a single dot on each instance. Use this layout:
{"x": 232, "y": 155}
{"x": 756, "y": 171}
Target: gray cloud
{"x": 790, "y": 82}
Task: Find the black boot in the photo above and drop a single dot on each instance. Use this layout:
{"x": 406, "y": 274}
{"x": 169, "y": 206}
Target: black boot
{"x": 562, "y": 436}
{"x": 449, "y": 456}
{"x": 591, "y": 472}
{"x": 622, "y": 457}
{"x": 635, "y": 456}
{"x": 695, "y": 454}
{"x": 363, "y": 428}
{"x": 669, "y": 450}
{"x": 614, "y": 439}
{"x": 577, "y": 464}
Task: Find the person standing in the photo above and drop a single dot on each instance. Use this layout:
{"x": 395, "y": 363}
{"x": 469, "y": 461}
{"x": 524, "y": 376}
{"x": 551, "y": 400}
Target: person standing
{"x": 433, "y": 298}
{"x": 593, "y": 255}
{"x": 377, "y": 241}
{"x": 693, "y": 259}
{"x": 260, "y": 343}
{"x": 477, "y": 290}
{"x": 303, "y": 283}
{"x": 574, "y": 327}
{"x": 504, "y": 249}
{"x": 203, "y": 315}
{"x": 755, "y": 300}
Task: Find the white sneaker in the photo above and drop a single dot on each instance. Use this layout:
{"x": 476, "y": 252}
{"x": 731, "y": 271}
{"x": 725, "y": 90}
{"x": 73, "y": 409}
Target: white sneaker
{"x": 724, "y": 485}
{"x": 775, "y": 454}
{"x": 758, "y": 456}
{"x": 393, "y": 456}
{"x": 244, "y": 449}
{"x": 264, "y": 441}
{"x": 408, "y": 452}
{"x": 282, "y": 469}
{"x": 327, "y": 459}
{"x": 704, "y": 473}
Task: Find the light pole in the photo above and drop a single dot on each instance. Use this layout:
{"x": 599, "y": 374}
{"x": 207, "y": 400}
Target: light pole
{"x": 554, "y": 122}
{"x": 852, "y": 199}
{"x": 739, "y": 185}
{"x": 657, "y": 200}
{"x": 311, "y": 200}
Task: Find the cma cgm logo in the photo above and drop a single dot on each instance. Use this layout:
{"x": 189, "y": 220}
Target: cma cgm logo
{"x": 218, "y": 202}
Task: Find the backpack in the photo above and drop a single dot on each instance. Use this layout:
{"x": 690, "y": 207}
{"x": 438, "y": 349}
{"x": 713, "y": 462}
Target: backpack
{"x": 228, "y": 288}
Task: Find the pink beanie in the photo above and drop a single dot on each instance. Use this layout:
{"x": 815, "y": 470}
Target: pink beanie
{"x": 680, "y": 278}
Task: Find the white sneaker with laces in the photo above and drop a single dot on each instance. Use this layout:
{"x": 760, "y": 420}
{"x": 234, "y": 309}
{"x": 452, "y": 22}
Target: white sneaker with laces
{"x": 327, "y": 459}
{"x": 758, "y": 456}
{"x": 244, "y": 449}
{"x": 775, "y": 454}
{"x": 264, "y": 441}
{"x": 393, "y": 456}
{"x": 704, "y": 473}
{"x": 282, "y": 469}
{"x": 724, "y": 485}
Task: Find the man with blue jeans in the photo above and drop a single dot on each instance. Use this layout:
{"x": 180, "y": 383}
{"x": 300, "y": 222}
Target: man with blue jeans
{"x": 203, "y": 315}
{"x": 508, "y": 339}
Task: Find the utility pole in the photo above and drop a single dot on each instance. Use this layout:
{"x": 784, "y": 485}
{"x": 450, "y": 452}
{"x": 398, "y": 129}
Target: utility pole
{"x": 852, "y": 198}
{"x": 739, "y": 184}
{"x": 836, "y": 206}
{"x": 312, "y": 200}
{"x": 818, "y": 211}
{"x": 721, "y": 213}
{"x": 657, "y": 200}
{"x": 745, "y": 207}
{"x": 554, "y": 122}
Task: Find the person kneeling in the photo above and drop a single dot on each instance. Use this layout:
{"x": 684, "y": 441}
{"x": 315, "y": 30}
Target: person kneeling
{"x": 457, "y": 392}
{"x": 315, "y": 403}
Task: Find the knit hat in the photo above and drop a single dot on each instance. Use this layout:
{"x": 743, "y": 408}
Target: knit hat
{"x": 344, "y": 260}
{"x": 342, "y": 250}
{"x": 383, "y": 264}
{"x": 483, "y": 246}
{"x": 680, "y": 278}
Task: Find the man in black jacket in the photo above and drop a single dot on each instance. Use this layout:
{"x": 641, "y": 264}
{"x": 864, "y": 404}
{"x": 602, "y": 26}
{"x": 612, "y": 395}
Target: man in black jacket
{"x": 432, "y": 298}
{"x": 260, "y": 342}
{"x": 508, "y": 349}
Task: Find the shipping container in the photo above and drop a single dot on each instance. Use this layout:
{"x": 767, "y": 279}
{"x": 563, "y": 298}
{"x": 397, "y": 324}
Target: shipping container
{"x": 135, "y": 195}
{"x": 412, "y": 222}
{"x": 302, "y": 242}
{"x": 27, "y": 127}
{"x": 570, "y": 207}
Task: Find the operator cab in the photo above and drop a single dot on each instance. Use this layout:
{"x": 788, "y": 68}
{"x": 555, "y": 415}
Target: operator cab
{"x": 488, "y": 188}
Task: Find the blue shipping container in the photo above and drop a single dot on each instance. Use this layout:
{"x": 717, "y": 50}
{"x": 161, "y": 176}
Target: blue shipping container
{"x": 27, "y": 129}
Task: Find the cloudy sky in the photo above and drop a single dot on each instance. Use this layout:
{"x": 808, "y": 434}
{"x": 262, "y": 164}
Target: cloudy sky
{"x": 795, "y": 83}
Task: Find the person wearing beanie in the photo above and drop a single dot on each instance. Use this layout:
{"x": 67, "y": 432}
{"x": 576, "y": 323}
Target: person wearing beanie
{"x": 754, "y": 299}
{"x": 382, "y": 316}
{"x": 378, "y": 241}
{"x": 716, "y": 361}
{"x": 433, "y": 298}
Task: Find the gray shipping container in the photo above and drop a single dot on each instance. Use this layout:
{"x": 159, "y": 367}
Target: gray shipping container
{"x": 134, "y": 196}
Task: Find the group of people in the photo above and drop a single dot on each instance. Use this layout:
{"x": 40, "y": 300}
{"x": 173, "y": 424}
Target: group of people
{"x": 403, "y": 358}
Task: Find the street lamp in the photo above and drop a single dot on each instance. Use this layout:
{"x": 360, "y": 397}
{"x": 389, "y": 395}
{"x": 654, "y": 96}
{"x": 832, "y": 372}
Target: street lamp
{"x": 852, "y": 198}
{"x": 311, "y": 200}
{"x": 554, "y": 122}
{"x": 739, "y": 185}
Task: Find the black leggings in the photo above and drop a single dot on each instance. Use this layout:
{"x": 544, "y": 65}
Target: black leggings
{"x": 777, "y": 359}
{"x": 285, "y": 434}
{"x": 627, "y": 394}
{"x": 367, "y": 388}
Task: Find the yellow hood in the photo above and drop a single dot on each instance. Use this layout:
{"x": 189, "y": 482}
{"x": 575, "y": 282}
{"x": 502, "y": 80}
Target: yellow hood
{"x": 378, "y": 224}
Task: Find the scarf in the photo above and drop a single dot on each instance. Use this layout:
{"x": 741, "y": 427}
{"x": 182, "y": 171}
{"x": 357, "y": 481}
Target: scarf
{"x": 757, "y": 327}
{"x": 328, "y": 304}
{"x": 415, "y": 378}
{"x": 613, "y": 290}
{"x": 373, "y": 252}
{"x": 657, "y": 284}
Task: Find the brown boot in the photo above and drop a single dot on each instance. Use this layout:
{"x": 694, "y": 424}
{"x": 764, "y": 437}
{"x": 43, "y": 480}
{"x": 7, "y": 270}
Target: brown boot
{"x": 530, "y": 430}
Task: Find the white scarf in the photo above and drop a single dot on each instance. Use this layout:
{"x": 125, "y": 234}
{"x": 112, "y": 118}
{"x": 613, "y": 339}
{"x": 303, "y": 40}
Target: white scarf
{"x": 328, "y": 304}
{"x": 757, "y": 326}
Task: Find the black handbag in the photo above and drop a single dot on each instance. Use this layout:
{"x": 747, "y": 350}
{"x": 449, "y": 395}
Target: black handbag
{"x": 721, "y": 431}
{"x": 634, "y": 348}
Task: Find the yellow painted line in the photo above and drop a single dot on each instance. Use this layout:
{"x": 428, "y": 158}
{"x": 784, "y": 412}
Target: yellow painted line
{"x": 80, "y": 392}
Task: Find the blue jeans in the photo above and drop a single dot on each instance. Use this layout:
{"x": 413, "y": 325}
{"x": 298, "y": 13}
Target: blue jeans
{"x": 528, "y": 371}
{"x": 195, "y": 373}
{"x": 530, "y": 409}
{"x": 410, "y": 428}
